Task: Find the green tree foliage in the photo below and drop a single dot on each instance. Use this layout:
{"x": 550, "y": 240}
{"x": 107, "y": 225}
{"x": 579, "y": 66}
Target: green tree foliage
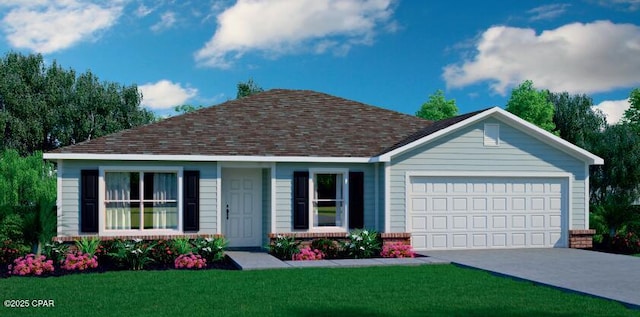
{"x": 532, "y": 105}
{"x": 45, "y": 107}
{"x": 575, "y": 119}
{"x": 438, "y": 107}
{"x": 182, "y": 109}
{"x": 632, "y": 115}
{"x": 248, "y": 88}
{"x": 27, "y": 198}
{"x": 614, "y": 185}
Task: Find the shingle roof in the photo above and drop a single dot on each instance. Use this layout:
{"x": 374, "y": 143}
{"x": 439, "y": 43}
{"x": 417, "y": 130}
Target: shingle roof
{"x": 273, "y": 123}
{"x": 432, "y": 128}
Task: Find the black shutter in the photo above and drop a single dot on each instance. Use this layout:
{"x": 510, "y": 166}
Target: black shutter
{"x": 191, "y": 200}
{"x": 300, "y": 200}
{"x": 356, "y": 200}
{"x": 89, "y": 201}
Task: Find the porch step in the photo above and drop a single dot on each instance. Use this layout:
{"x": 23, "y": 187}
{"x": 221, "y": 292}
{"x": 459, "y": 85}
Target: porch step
{"x": 255, "y": 260}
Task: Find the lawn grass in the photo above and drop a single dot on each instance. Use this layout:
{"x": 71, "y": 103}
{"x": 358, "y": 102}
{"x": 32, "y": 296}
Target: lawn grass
{"x": 429, "y": 290}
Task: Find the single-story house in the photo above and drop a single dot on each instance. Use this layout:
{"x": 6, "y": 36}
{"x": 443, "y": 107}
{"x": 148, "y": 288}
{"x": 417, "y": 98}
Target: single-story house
{"x": 310, "y": 165}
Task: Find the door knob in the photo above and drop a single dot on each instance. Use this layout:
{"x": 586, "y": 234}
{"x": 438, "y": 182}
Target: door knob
{"x": 227, "y": 211}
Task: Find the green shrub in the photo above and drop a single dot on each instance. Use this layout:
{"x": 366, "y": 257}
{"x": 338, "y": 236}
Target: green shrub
{"x": 284, "y": 247}
{"x": 11, "y": 228}
{"x": 330, "y": 248}
{"x": 163, "y": 253}
{"x": 10, "y": 251}
{"x": 362, "y": 243}
{"x": 211, "y": 249}
{"x": 132, "y": 254}
{"x": 88, "y": 246}
{"x": 182, "y": 246}
{"x": 56, "y": 251}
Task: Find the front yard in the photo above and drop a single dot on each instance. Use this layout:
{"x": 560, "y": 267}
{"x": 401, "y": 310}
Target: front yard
{"x": 430, "y": 290}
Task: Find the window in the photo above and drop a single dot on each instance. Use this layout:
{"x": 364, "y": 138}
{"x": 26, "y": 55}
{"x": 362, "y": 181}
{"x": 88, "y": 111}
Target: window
{"x": 141, "y": 200}
{"x": 329, "y": 200}
{"x": 491, "y": 134}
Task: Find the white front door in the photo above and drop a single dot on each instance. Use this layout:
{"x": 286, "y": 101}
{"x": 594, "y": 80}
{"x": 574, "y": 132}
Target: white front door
{"x": 242, "y": 206}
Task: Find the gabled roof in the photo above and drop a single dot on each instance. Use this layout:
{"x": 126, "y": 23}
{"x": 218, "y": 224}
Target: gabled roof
{"x": 276, "y": 123}
{"x": 441, "y": 128}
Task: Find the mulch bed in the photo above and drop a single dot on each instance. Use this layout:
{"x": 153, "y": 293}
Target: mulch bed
{"x": 225, "y": 264}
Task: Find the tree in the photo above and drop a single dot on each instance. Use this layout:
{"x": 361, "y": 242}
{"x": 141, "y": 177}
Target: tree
{"x": 532, "y": 105}
{"x": 42, "y": 108}
{"x": 438, "y": 108}
{"x": 614, "y": 185}
{"x": 632, "y": 115}
{"x": 248, "y": 88}
{"x": 182, "y": 109}
{"x": 27, "y": 199}
{"x": 575, "y": 119}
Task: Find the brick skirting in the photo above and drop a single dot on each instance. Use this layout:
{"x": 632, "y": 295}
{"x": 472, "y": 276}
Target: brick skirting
{"x": 143, "y": 237}
{"x": 581, "y": 239}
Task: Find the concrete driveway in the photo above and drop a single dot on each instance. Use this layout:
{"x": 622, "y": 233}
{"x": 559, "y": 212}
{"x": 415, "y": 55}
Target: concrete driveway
{"x": 611, "y": 276}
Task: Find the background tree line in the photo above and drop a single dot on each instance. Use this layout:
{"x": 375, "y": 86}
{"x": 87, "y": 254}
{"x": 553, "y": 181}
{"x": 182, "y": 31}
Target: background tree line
{"x": 44, "y": 107}
{"x": 614, "y": 186}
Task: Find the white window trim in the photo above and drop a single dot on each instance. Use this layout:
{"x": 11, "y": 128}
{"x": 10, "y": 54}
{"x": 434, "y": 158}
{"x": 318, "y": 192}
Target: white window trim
{"x": 139, "y": 232}
{"x": 345, "y": 195}
{"x": 488, "y": 127}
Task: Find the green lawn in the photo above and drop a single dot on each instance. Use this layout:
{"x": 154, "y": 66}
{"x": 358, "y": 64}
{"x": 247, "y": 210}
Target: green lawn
{"x": 430, "y": 290}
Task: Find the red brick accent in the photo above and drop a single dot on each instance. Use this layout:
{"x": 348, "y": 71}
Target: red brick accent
{"x": 581, "y": 239}
{"x": 143, "y": 237}
{"x": 395, "y": 237}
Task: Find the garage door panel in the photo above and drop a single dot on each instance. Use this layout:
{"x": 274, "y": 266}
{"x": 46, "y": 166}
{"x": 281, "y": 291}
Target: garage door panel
{"x": 519, "y": 239}
{"x": 479, "y": 222}
{"x": 439, "y": 223}
{"x": 518, "y": 222}
{"x": 486, "y": 212}
{"x": 439, "y": 241}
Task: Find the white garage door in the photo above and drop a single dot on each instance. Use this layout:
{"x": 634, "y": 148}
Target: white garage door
{"x": 486, "y": 212}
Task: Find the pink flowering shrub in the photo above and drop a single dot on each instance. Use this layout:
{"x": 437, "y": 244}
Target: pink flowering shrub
{"x": 308, "y": 254}
{"x": 397, "y": 250}
{"x": 80, "y": 262}
{"x": 190, "y": 261}
{"x": 31, "y": 264}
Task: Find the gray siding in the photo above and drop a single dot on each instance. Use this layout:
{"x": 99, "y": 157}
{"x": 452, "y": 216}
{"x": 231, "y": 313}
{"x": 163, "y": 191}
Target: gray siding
{"x": 266, "y": 205}
{"x": 68, "y": 223}
{"x": 464, "y": 151}
{"x": 284, "y": 186}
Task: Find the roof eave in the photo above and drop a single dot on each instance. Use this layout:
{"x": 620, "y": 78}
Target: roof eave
{"x": 206, "y": 158}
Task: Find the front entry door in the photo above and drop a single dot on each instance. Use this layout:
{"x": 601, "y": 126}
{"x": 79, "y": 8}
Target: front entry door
{"x": 242, "y": 206}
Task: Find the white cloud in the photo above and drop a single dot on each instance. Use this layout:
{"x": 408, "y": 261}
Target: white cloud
{"x": 547, "y": 12}
{"x": 613, "y": 109}
{"x": 577, "y": 58}
{"x": 49, "y": 26}
{"x": 279, "y": 27}
{"x": 167, "y": 20}
{"x": 165, "y": 94}
{"x": 628, "y": 5}
{"x": 143, "y": 10}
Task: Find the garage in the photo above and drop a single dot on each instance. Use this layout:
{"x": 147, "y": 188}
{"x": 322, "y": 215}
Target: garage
{"x": 461, "y": 212}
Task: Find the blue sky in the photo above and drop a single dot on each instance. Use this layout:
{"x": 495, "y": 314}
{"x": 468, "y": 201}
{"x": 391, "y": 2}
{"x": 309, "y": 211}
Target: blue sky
{"x": 392, "y": 54}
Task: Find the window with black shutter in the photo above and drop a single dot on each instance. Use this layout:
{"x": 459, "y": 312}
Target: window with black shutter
{"x": 89, "y": 201}
{"x": 301, "y": 200}
{"x": 191, "y": 205}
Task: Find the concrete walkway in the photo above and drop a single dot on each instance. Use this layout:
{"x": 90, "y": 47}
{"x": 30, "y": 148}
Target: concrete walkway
{"x": 610, "y": 276}
{"x": 258, "y": 260}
